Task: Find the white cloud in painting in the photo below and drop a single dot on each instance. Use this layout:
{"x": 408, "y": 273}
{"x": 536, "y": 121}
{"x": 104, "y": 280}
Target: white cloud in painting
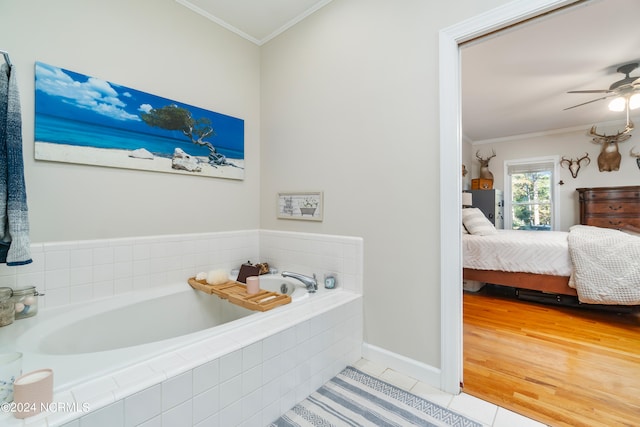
{"x": 94, "y": 94}
{"x": 145, "y": 108}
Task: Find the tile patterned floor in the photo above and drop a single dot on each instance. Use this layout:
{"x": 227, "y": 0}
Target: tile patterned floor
{"x": 487, "y": 413}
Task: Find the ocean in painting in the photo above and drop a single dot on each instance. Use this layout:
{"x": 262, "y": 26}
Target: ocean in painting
{"x": 84, "y": 119}
{"x": 83, "y": 134}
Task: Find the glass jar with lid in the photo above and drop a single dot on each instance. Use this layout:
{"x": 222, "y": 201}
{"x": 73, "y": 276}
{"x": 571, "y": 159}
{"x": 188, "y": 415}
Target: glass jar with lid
{"x": 26, "y": 302}
{"x": 7, "y": 311}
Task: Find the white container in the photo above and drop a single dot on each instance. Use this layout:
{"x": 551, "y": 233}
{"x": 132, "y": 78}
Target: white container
{"x": 10, "y": 369}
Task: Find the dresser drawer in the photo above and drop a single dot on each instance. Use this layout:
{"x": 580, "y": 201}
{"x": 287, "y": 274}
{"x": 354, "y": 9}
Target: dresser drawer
{"x": 631, "y": 194}
{"x": 612, "y": 207}
{"x": 612, "y": 222}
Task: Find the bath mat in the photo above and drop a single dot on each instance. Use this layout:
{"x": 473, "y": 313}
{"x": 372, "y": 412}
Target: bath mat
{"x": 353, "y": 398}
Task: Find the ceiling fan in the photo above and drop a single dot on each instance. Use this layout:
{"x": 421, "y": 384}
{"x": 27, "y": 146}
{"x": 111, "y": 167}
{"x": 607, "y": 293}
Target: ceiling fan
{"x": 625, "y": 91}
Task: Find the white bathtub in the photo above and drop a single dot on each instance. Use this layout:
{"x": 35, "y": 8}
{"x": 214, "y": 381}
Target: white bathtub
{"x": 86, "y": 341}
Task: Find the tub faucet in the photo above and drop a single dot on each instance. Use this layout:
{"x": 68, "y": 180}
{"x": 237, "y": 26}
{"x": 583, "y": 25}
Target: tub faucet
{"x": 309, "y": 282}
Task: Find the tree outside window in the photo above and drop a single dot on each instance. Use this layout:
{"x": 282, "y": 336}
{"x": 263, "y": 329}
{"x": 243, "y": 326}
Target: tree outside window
{"x": 530, "y": 193}
{"x": 531, "y": 200}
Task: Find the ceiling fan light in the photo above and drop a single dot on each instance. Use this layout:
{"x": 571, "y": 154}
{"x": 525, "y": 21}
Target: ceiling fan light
{"x": 618, "y": 104}
{"x": 634, "y": 101}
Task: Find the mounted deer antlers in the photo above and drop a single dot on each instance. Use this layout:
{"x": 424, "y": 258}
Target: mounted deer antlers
{"x": 485, "y": 173}
{"x": 574, "y": 164}
{"x": 636, "y": 155}
{"x": 609, "y": 157}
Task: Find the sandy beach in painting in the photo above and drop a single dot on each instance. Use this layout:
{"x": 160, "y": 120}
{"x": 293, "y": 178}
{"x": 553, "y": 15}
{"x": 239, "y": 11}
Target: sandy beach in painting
{"x": 120, "y": 159}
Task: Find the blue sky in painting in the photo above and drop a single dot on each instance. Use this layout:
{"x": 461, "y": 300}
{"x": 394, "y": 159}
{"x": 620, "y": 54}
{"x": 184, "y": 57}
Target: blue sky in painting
{"x": 73, "y": 96}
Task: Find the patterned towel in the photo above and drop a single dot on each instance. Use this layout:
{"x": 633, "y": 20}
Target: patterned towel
{"x": 15, "y": 248}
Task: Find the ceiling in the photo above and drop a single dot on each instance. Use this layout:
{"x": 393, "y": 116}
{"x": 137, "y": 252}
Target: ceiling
{"x": 256, "y": 20}
{"x": 515, "y": 82}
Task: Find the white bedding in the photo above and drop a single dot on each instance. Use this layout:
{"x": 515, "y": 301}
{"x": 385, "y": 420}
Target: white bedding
{"x": 607, "y": 265}
{"x": 540, "y": 252}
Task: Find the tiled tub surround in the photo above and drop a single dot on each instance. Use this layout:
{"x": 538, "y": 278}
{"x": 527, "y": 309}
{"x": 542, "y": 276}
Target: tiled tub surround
{"x": 80, "y": 271}
{"x": 244, "y": 375}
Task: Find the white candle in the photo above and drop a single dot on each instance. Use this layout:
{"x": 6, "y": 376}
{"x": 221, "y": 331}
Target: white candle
{"x": 253, "y": 285}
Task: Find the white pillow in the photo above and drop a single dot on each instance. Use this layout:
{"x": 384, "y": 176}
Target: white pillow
{"x": 476, "y": 223}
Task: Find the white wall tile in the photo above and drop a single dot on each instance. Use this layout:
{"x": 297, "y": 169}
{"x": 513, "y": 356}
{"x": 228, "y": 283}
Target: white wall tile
{"x": 206, "y": 404}
{"x": 142, "y": 406}
{"x": 231, "y": 415}
{"x": 153, "y": 422}
{"x": 251, "y": 379}
{"x": 178, "y": 416}
{"x": 177, "y": 390}
{"x": 109, "y": 416}
{"x": 271, "y": 346}
{"x": 206, "y": 376}
{"x": 230, "y": 365}
{"x": 56, "y": 260}
{"x": 230, "y": 391}
{"x": 252, "y": 405}
{"x": 80, "y": 257}
{"x": 251, "y": 356}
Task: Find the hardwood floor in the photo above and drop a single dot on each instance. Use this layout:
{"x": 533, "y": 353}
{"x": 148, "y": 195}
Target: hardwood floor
{"x": 560, "y": 366}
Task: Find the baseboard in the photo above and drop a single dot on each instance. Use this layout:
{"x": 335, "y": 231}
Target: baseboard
{"x": 418, "y": 370}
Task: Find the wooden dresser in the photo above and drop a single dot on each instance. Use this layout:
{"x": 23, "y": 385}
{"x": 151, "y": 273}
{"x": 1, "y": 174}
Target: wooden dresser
{"x": 610, "y": 207}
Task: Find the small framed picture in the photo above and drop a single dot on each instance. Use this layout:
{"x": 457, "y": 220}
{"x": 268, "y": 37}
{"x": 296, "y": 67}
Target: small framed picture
{"x": 306, "y": 206}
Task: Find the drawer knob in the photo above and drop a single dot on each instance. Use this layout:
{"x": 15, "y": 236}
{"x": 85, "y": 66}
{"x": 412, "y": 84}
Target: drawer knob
{"x": 615, "y": 208}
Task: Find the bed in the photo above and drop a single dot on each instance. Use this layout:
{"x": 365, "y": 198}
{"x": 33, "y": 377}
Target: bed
{"x": 534, "y": 260}
{"x": 597, "y": 265}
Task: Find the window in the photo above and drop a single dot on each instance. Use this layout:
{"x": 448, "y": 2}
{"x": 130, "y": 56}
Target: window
{"x": 530, "y": 192}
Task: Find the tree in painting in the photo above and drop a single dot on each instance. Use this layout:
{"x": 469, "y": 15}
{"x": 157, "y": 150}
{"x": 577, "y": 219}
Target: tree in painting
{"x": 172, "y": 117}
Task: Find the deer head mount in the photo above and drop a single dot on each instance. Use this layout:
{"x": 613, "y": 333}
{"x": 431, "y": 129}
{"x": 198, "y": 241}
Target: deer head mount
{"x": 609, "y": 157}
{"x": 636, "y": 155}
{"x": 575, "y": 164}
{"x": 485, "y": 173}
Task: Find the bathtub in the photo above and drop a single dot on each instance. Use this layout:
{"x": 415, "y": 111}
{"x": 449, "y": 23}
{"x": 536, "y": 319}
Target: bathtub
{"x": 107, "y": 354}
{"x": 90, "y": 340}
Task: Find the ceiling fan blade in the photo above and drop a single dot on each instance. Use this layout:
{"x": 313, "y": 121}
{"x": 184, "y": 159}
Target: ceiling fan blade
{"x": 588, "y": 102}
{"x": 591, "y": 91}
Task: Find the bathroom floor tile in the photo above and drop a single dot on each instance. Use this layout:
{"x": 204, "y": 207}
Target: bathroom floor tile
{"x": 369, "y": 367}
{"x": 432, "y": 394}
{"x": 474, "y": 408}
{"x": 400, "y": 380}
{"x": 507, "y": 418}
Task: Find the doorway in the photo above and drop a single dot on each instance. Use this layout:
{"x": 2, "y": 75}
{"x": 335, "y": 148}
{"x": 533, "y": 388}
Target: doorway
{"x": 451, "y": 130}
{"x": 450, "y": 177}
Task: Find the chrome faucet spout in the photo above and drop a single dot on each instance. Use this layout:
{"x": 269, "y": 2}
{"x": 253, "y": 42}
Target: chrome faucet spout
{"x": 310, "y": 282}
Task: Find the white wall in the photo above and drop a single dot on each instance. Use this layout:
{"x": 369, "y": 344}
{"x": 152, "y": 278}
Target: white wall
{"x": 350, "y": 107}
{"x": 570, "y": 144}
{"x": 345, "y": 102}
{"x": 158, "y": 47}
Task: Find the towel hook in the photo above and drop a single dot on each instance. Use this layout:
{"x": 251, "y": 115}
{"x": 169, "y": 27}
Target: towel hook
{"x": 6, "y": 57}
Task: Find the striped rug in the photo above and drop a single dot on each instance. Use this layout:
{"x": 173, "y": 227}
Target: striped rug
{"x": 353, "y": 398}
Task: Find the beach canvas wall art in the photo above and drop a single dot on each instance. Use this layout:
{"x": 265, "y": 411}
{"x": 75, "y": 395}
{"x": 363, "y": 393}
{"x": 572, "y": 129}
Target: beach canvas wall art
{"x": 87, "y": 120}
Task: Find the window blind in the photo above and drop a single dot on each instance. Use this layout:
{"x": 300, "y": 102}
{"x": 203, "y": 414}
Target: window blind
{"x": 544, "y": 166}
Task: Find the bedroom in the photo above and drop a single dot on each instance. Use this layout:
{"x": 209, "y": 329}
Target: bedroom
{"x": 515, "y": 90}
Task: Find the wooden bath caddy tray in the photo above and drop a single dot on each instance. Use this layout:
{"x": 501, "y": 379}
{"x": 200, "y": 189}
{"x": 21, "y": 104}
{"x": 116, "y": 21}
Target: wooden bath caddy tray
{"x": 236, "y": 293}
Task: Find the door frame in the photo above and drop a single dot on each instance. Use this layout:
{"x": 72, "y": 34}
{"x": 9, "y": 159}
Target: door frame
{"x": 451, "y": 357}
